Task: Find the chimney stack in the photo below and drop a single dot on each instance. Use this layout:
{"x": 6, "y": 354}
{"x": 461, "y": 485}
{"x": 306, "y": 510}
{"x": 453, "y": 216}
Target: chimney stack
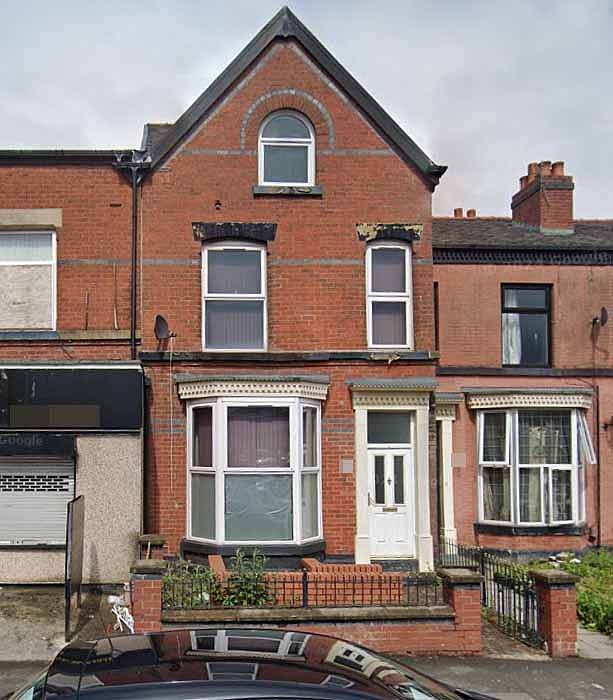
{"x": 544, "y": 201}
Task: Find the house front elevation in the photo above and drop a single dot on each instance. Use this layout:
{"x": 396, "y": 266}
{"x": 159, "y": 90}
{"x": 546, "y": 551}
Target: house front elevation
{"x": 249, "y": 332}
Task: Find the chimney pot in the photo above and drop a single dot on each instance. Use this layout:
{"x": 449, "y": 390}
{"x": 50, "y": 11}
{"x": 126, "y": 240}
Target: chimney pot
{"x": 471, "y": 213}
{"x": 458, "y": 213}
{"x": 523, "y": 182}
{"x": 533, "y": 169}
{"x": 545, "y": 168}
{"x": 557, "y": 169}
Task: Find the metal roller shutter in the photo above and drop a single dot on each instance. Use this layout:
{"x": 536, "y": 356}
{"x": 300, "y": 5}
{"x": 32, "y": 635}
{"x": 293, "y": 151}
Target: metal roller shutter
{"x": 34, "y": 492}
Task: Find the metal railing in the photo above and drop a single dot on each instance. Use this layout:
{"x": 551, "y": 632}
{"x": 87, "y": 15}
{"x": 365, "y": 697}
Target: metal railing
{"x": 508, "y": 592}
{"x": 302, "y": 589}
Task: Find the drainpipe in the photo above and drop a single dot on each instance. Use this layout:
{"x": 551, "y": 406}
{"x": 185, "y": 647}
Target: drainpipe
{"x": 133, "y": 272}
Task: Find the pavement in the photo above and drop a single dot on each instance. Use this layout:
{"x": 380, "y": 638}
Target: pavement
{"x": 32, "y": 628}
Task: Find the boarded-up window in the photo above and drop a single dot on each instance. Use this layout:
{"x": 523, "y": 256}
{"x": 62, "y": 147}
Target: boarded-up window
{"x": 27, "y": 271}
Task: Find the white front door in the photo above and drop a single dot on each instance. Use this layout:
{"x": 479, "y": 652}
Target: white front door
{"x": 391, "y": 503}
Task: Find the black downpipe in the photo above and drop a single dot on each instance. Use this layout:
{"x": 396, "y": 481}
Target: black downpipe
{"x": 134, "y": 260}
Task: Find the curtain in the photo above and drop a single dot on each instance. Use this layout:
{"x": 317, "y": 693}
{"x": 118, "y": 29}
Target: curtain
{"x": 511, "y": 332}
{"x": 203, "y": 442}
{"x": 234, "y": 272}
{"x": 496, "y": 494}
{"x": 544, "y": 437}
{"x": 530, "y": 495}
{"x": 388, "y": 270}
{"x": 310, "y": 510}
{"x": 494, "y": 436}
{"x": 258, "y": 436}
{"x": 234, "y": 324}
{"x": 389, "y": 323}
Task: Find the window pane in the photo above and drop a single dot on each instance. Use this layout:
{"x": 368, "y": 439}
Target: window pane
{"x": 379, "y": 480}
{"x": 203, "y": 506}
{"x": 496, "y": 493}
{"x": 310, "y": 506}
{"x": 309, "y": 436}
{"x": 388, "y": 270}
{"x": 286, "y": 164}
{"x": 389, "y": 427}
{"x": 26, "y": 247}
{"x": 389, "y": 323}
{"x": 530, "y": 496}
{"x": 258, "y": 508}
{"x": 284, "y": 126}
{"x": 202, "y": 455}
{"x": 234, "y": 324}
{"x": 519, "y": 297}
{"x": 398, "y": 479}
{"x": 258, "y": 436}
{"x": 494, "y": 437}
{"x": 561, "y": 496}
{"x": 525, "y": 339}
{"x": 544, "y": 437}
{"x": 234, "y": 272}
{"x": 27, "y": 293}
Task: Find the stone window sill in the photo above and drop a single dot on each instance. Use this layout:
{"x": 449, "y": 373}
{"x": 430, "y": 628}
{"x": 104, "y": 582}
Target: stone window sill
{"x": 287, "y": 191}
{"x": 530, "y": 530}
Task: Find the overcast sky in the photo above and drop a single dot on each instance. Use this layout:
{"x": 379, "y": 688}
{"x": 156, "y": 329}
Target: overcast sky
{"x": 483, "y": 87}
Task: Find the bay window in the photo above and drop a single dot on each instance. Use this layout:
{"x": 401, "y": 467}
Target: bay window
{"x": 389, "y": 313}
{"x": 234, "y": 296}
{"x": 255, "y": 470}
{"x": 531, "y": 466}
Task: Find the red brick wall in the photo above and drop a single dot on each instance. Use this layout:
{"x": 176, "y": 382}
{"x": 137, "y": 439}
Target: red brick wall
{"x": 316, "y": 284}
{"x": 93, "y": 253}
{"x": 470, "y": 312}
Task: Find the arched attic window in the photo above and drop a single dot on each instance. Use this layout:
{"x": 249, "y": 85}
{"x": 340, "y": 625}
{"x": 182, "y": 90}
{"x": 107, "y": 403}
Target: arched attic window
{"x": 286, "y": 150}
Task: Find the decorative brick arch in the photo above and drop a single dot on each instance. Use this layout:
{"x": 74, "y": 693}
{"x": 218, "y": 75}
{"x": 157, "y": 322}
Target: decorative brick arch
{"x": 286, "y": 98}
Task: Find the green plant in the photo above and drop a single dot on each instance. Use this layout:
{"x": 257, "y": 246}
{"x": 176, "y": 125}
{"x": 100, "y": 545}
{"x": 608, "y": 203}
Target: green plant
{"x": 247, "y": 585}
{"x": 594, "y": 590}
{"x": 188, "y": 585}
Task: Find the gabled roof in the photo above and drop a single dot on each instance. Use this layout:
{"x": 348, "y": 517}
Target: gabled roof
{"x": 502, "y": 233}
{"x": 285, "y": 25}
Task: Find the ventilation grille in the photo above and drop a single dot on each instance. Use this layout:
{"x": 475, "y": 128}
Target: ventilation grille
{"x": 38, "y": 483}
{"x": 476, "y": 256}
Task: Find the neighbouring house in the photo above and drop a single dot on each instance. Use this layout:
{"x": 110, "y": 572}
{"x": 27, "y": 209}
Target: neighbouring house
{"x": 239, "y": 325}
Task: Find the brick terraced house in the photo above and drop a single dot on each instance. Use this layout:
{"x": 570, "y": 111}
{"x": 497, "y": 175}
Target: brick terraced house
{"x": 269, "y": 266}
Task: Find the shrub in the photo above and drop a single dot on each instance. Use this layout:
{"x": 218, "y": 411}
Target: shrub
{"x": 247, "y": 581}
{"x": 188, "y": 585}
{"x": 595, "y": 589}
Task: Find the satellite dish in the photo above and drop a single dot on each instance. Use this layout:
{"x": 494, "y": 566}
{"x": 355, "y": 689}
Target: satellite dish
{"x": 604, "y": 316}
{"x": 161, "y": 328}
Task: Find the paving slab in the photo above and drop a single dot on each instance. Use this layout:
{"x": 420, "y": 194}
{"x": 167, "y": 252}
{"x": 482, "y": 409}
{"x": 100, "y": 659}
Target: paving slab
{"x": 593, "y": 645}
{"x": 515, "y": 679}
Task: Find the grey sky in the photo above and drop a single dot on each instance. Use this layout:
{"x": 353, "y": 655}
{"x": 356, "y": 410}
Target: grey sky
{"x": 483, "y": 87}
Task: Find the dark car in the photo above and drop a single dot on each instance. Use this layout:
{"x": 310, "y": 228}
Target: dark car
{"x": 230, "y": 664}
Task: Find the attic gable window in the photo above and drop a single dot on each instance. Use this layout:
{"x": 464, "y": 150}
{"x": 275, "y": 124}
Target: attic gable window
{"x": 286, "y": 151}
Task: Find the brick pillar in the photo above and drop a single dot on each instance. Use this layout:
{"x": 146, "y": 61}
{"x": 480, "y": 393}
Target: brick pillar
{"x": 146, "y": 594}
{"x": 557, "y": 603}
{"x": 462, "y": 591}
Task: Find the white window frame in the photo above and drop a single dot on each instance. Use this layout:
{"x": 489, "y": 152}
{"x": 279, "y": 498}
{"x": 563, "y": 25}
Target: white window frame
{"x": 545, "y": 473}
{"x": 220, "y": 468}
{"x": 406, "y": 297}
{"x": 262, "y": 296}
{"x": 30, "y": 263}
{"x": 289, "y": 143}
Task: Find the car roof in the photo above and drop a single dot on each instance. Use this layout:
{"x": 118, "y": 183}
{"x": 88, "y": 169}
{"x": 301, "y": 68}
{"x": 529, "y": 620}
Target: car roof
{"x": 228, "y": 663}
